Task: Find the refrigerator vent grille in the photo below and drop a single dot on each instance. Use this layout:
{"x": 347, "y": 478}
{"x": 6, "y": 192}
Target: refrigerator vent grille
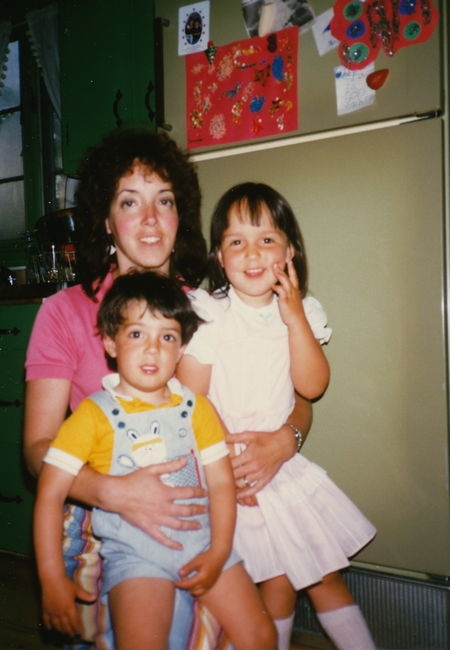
{"x": 402, "y": 613}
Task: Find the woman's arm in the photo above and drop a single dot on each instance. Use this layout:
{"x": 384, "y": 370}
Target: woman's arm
{"x": 46, "y": 404}
{"x": 265, "y": 452}
{"x": 140, "y": 497}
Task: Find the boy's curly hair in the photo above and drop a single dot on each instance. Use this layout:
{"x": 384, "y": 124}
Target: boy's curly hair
{"x": 100, "y": 170}
{"x": 157, "y": 293}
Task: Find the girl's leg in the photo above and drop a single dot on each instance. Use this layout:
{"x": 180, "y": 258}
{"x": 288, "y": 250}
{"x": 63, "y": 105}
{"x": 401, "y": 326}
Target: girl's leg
{"x": 331, "y": 593}
{"x": 339, "y": 615}
{"x": 141, "y": 612}
{"x": 236, "y": 604}
{"x": 279, "y": 597}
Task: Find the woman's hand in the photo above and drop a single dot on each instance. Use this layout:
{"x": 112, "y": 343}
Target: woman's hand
{"x": 145, "y": 501}
{"x": 261, "y": 459}
{"x": 265, "y": 452}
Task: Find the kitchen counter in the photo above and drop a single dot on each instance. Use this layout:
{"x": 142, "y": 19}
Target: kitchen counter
{"x": 26, "y": 293}
{"x": 18, "y": 308}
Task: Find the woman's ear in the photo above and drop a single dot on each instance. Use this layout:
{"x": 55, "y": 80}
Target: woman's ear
{"x": 110, "y": 346}
{"x": 107, "y": 226}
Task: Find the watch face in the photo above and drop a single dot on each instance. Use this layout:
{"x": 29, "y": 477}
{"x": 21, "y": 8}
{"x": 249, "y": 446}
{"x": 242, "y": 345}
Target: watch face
{"x": 193, "y": 28}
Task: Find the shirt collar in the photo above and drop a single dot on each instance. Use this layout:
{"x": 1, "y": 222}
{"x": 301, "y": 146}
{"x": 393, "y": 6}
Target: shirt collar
{"x": 111, "y": 381}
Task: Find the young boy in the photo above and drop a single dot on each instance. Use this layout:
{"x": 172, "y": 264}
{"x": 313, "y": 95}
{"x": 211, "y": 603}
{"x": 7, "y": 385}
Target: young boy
{"x": 145, "y": 416}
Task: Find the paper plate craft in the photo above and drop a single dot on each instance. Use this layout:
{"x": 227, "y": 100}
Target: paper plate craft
{"x": 364, "y": 27}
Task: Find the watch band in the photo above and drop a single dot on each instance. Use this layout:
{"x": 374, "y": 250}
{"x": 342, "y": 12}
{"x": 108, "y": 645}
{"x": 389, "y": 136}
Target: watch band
{"x": 298, "y": 436}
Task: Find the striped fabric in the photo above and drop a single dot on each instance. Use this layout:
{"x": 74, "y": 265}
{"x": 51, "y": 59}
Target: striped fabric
{"x": 83, "y": 566}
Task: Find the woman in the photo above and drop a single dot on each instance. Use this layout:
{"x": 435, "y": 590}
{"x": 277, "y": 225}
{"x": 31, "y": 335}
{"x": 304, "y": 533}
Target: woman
{"x": 138, "y": 207}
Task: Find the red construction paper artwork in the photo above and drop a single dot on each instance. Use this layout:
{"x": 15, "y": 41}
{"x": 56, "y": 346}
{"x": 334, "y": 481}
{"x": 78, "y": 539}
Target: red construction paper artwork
{"x": 364, "y": 27}
{"x": 249, "y": 90}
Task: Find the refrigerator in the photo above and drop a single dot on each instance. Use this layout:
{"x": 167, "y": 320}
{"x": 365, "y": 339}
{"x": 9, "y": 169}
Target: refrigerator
{"x": 370, "y": 190}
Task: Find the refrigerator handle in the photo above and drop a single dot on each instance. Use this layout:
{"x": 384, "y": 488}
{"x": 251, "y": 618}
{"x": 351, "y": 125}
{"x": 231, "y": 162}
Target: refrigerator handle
{"x": 160, "y": 23}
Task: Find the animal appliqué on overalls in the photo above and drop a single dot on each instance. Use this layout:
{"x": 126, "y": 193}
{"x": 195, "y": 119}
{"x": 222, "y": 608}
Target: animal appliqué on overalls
{"x": 146, "y": 448}
{"x": 149, "y": 448}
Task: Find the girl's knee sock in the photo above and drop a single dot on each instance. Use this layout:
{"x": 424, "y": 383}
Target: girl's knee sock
{"x": 284, "y": 628}
{"x": 347, "y": 628}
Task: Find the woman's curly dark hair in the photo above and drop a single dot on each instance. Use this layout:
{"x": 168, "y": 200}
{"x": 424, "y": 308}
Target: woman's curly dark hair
{"x": 101, "y": 169}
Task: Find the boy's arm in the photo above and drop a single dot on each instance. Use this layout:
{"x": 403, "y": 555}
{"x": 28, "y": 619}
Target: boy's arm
{"x": 208, "y": 565}
{"x": 222, "y": 496}
{"x": 58, "y": 592}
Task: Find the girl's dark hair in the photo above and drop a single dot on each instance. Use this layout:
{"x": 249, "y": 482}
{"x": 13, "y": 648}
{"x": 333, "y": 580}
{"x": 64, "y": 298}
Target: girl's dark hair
{"x": 249, "y": 198}
{"x": 101, "y": 169}
{"x": 160, "y": 294}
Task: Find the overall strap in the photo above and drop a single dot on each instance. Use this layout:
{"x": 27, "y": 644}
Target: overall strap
{"x": 106, "y": 402}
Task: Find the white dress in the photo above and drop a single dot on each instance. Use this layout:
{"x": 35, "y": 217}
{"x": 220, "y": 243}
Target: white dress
{"x": 304, "y": 526}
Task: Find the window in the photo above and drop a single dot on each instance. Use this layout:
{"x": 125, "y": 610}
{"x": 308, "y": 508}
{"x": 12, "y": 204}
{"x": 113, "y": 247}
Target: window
{"x": 12, "y": 215}
{"x": 31, "y": 182}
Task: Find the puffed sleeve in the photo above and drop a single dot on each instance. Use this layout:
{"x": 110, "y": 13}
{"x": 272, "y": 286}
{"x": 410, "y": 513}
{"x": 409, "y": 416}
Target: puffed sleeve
{"x": 318, "y": 319}
{"x": 205, "y": 305}
{"x": 202, "y": 346}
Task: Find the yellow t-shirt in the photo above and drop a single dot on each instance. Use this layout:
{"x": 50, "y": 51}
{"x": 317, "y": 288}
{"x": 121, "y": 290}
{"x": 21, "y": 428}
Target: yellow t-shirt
{"x": 88, "y": 437}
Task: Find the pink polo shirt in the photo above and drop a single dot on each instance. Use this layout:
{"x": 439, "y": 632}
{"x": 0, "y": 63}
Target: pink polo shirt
{"x": 64, "y": 343}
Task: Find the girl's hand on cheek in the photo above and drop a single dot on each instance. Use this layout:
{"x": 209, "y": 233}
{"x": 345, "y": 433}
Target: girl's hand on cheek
{"x": 289, "y": 298}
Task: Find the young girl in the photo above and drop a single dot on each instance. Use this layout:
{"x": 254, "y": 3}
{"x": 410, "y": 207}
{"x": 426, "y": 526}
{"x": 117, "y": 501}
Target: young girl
{"x": 259, "y": 344}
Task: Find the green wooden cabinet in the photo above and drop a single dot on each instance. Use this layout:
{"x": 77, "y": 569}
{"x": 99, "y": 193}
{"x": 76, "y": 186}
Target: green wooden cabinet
{"x": 107, "y": 71}
{"x": 16, "y": 485}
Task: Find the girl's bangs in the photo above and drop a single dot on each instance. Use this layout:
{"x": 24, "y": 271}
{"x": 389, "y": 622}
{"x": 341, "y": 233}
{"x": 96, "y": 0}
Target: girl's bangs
{"x": 250, "y": 208}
